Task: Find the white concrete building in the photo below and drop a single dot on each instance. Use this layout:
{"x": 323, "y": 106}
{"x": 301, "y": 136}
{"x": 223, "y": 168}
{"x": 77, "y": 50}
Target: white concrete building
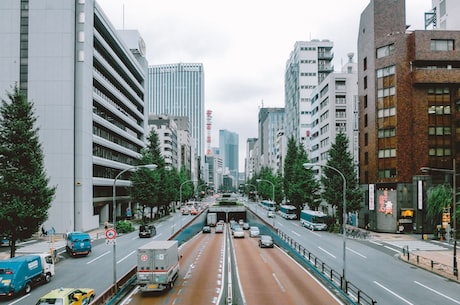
{"x": 308, "y": 65}
{"x": 335, "y": 110}
{"x": 88, "y": 86}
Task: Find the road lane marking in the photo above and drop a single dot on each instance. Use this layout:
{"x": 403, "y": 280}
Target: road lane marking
{"x": 295, "y": 233}
{"x": 100, "y": 256}
{"x": 438, "y": 293}
{"x": 132, "y": 252}
{"x": 20, "y": 299}
{"x": 396, "y": 295}
{"x": 392, "y": 249}
{"x": 327, "y": 252}
{"x": 357, "y": 253}
{"x": 278, "y": 282}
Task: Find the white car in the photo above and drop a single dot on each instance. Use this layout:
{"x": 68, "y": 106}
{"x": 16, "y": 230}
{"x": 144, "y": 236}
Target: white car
{"x": 254, "y": 232}
{"x": 271, "y": 214}
{"x": 238, "y": 233}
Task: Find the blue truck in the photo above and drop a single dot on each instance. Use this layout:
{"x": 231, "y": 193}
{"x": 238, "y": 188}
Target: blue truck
{"x": 19, "y": 274}
{"x": 78, "y": 243}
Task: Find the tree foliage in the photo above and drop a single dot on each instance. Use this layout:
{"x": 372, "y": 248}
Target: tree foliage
{"x": 341, "y": 159}
{"x": 25, "y": 196}
{"x": 301, "y": 187}
{"x": 439, "y": 198}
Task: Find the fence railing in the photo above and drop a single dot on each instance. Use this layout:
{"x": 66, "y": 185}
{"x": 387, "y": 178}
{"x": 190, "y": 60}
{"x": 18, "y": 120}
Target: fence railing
{"x": 429, "y": 264}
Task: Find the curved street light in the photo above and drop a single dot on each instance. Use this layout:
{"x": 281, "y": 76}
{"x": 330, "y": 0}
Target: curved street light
{"x": 114, "y": 213}
{"x": 180, "y": 189}
{"x": 344, "y": 213}
{"x": 273, "y": 187}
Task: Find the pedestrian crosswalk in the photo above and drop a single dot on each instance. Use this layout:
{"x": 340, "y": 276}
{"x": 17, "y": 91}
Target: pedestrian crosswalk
{"x": 416, "y": 245}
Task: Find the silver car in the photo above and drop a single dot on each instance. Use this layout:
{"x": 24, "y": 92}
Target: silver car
{"x": 265, "y": 241}
{"x": 238, "y": 233}
{"x": 254, "y": 232}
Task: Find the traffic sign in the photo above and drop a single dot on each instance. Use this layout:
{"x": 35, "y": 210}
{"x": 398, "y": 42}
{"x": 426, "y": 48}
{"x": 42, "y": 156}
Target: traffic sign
{"x": 110, "y": 234}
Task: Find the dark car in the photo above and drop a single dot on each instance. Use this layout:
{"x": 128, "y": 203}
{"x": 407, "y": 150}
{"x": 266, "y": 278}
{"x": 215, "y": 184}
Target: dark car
{"x": 266, "y": 241}
{"x": 147, "y": 231}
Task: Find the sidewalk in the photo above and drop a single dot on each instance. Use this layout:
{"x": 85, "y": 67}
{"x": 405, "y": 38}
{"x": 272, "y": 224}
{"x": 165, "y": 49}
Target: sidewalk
{"x": 432, "y": 255}
{"x": 38, "y": 244}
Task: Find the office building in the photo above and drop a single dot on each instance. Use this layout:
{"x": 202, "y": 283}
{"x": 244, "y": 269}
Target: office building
{"x": 335, "y": 110}
{"x": 88, "y": 85}
{"x": 178, "y": 90}
{"x": 228, "y": 146}
{"x": 440, "y": 19}
{"x": 409, "y": 88}
{"x": 271, "y": 121}
{"x": 308, "y": 65}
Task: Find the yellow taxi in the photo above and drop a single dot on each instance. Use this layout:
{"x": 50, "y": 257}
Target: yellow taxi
{"x": 68, "y": 296}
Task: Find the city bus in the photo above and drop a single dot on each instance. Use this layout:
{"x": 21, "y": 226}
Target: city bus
{"x": 313, "y": 220}
{"x": 268, "y": 205}
{"x": 288, "y": 211}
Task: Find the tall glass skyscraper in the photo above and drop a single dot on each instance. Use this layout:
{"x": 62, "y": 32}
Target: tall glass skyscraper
{"x": 228, "y": 144}
{"x": 178, "y": 89}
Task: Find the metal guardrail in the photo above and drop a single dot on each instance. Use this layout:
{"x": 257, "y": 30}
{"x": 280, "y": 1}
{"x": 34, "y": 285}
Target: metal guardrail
{"x": 429, "y": 264}
{"x": 348, "y": 288}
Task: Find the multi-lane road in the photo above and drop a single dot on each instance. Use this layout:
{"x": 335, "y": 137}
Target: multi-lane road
{"x": 266, "y": 276}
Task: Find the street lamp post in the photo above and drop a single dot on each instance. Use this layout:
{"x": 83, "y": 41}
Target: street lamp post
{"x": 273, "y": 187}
{"x": 344, "y": 213}
{"x": 453, "y": 171}
{"x": 114, "y": 212}
{"x": 180, "y": 189}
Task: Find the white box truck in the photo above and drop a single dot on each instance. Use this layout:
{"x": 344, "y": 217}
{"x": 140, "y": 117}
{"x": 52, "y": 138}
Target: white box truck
{"x": 157, "y": 265}
{"x": 211, "y": 219}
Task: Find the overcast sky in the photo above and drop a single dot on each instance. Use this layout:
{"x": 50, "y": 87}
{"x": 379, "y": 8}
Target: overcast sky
{"x": 243, "y": 45}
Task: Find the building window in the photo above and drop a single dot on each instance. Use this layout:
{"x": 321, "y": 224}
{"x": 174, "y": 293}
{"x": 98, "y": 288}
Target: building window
{"x": 365, "y": 82}
{"x": 387, "y": 132}
{"x": 385, "y": 50}
{"x": 366, "y": 139}
{"x": 365, "y": 101}
{"x": 442, "y": 45}
{"x": 365, "y": 63}
{"x": 366, "y": 158}
{"x": 387, "y": 173}
{"x": 365, "y": 120}
{"x": 387, "y": 153}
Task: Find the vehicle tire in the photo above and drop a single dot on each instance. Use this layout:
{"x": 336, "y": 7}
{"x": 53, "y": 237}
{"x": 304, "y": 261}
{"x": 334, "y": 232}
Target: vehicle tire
{"x": 27, "y": 288}
{"x": 91, "y": 299}
{"x": 47, "y": 277}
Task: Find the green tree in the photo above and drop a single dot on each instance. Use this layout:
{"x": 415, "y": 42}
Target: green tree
{"x": 146, "y": 184}
{"x": 439, "y": 198}
{"x": 291, "y": 156}
{"x": 301, "y": 187}
{"x": 25, "y": 196}
{"x": 341, "y": 159}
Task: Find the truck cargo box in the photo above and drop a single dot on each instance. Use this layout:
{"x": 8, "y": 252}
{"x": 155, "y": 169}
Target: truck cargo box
{"x": 157, "y": 265}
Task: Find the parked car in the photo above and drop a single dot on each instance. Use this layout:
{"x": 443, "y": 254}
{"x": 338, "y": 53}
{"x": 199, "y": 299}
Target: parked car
{"x": 254, "y": 231}
{"x": 265, "y": 241}
{"x": 238, "y": 233}
{"x": 67, "y": 296}
{"x": 147, "y": 231}
{"x": 206, "y": 229}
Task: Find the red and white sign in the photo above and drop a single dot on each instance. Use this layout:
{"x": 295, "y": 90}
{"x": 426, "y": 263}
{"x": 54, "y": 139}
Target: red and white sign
{"x": 110, "y": 234}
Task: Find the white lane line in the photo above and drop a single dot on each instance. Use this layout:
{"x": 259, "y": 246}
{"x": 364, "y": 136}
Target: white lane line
{"x": 100, "y": 256}
{"x": 295, "y": 233}
{"x": 132, "y": 252}
{"x": 392, "y": 249}
{"x": 437, "y": 292}
{"x": 396, "y": 295}
{"x": 278, "y": 282}
{"x": 357, "y": 253}
{"x": 327, "y": 252}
